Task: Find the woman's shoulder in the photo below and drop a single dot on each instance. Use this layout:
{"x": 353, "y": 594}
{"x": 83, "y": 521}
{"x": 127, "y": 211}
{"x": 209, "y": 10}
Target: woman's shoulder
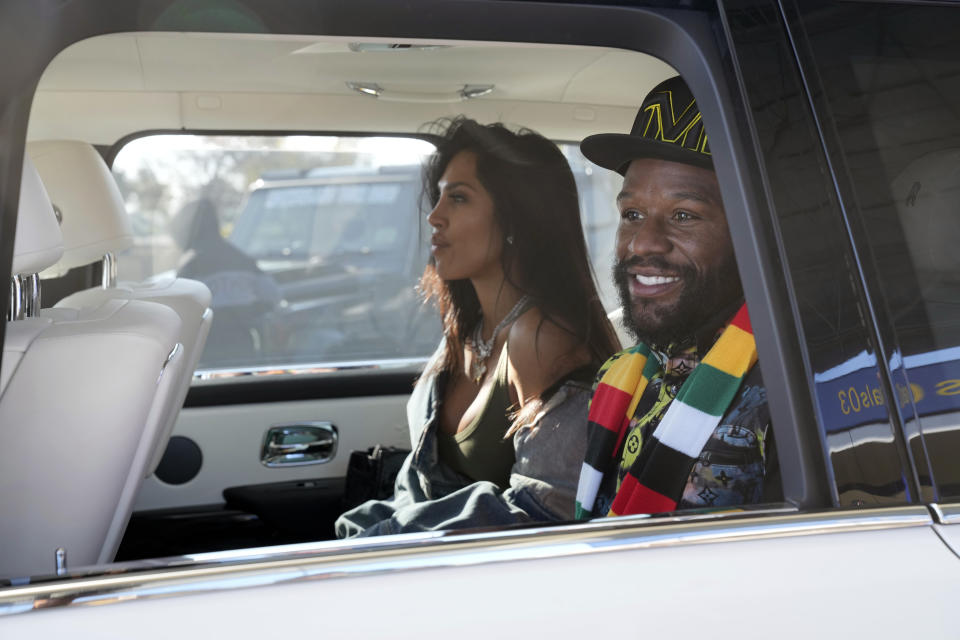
{"x": 541, "y": 351}
{"x": 535, "y": 335}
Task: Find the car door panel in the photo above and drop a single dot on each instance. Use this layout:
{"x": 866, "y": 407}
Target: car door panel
{"x": 948, "y": 527}
{"x": 231, "y": 438}
{"x": 951, "y": 536}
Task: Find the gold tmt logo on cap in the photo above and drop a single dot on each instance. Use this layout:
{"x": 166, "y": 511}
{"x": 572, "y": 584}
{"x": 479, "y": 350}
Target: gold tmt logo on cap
{"x": 685, "y": 130}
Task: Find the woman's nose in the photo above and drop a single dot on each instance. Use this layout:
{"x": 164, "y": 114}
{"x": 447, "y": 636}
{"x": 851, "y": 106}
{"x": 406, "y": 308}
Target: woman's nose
{"x": 435, "y": 218}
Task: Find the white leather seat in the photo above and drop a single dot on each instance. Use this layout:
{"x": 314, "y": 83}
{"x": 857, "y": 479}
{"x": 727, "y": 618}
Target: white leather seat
{"x": 95, "y": 223}
{"x": 76, "y": 396}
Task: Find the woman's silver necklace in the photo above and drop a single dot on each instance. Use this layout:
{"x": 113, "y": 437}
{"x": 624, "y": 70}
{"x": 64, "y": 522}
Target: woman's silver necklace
{"x": 483, "y": 348}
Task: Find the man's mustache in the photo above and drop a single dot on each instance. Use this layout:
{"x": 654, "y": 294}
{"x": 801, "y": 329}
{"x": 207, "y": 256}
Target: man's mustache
{"x": 657, "y": 262}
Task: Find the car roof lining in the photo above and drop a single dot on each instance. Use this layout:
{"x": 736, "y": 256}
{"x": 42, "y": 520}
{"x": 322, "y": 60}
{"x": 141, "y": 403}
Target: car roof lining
{"x": 259, "y": 81}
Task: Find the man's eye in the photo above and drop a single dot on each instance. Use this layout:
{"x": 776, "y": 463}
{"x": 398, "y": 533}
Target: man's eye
{"x": 684, "y": 216}
{"x": 631, "y": 215}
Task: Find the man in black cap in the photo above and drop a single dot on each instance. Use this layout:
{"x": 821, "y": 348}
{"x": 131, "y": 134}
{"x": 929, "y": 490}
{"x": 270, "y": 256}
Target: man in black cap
{"x": 680, "y": 420}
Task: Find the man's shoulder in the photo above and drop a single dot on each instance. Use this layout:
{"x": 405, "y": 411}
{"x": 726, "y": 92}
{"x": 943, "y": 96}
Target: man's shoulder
{"x": 749, "y": 407}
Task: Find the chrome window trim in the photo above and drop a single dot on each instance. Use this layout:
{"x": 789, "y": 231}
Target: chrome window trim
{"x": 214, "y": 572}
{"x": 318, "y": 181}
{"x": 204, "y": 377}
{"x": 946, "y": 513}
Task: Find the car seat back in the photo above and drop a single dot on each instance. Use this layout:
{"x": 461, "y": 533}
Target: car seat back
{"x": 95, "y": 226}
{"x": 76, "y": 399}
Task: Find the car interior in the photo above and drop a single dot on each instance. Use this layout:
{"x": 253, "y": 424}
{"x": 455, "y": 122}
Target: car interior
{"x": 308, "y": 151}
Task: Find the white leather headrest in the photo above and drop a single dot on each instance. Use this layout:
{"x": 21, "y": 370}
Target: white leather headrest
{"x": 83, "y": 189}
{"x": 37, "y": 243}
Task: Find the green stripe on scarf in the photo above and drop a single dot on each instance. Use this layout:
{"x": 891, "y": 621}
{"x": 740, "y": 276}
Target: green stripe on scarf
{"x": 712, "y": 391}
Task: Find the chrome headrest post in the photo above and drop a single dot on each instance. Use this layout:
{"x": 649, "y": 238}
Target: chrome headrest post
{"x": 109, "y": 270}
{"x": 30, "y": 294}
{"x": 15, "y": 311}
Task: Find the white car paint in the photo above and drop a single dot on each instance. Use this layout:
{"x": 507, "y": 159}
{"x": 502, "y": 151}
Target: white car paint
{"x": 897, "y": 583}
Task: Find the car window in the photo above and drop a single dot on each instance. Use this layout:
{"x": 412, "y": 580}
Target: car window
{"x": 332, "y": 232}
{"x": 891, "y": 81}
{"x": 863, "y": 457}
{"x": 307, "y": 234}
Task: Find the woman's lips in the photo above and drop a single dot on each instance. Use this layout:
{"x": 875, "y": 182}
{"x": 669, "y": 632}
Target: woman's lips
{"x": 436, "y": 244}
{"x": 651, "y": 286}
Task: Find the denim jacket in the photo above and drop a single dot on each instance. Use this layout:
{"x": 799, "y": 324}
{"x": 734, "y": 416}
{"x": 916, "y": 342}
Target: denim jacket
{"x": 428, "y": 495}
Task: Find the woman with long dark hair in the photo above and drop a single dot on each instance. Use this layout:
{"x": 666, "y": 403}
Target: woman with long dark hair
{"x": 499, "y": 415}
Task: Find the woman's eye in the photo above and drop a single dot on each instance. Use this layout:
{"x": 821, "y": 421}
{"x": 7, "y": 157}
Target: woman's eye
{"x": 458, "y": 197}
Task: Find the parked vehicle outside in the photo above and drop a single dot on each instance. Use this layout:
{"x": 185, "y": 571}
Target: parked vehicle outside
{"x": 345, "y": 247}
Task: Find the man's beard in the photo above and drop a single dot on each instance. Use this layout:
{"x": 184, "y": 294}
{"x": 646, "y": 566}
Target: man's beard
{"x": 702, "y": 296}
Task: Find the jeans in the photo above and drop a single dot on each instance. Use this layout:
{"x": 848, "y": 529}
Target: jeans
{"x": 428, "y": 495}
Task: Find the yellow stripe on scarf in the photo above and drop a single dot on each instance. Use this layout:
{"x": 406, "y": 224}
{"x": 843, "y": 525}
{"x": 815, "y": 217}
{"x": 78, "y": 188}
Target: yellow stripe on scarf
{"x": 635, "y": 400}
{"x": 626, "y": 372}
{"x": 727, "y": 354}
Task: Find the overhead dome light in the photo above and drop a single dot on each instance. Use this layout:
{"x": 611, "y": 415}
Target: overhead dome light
{"x": 366, "y": 88}
{"x": 468, "y": 92}
{"x": 361, "y": 47}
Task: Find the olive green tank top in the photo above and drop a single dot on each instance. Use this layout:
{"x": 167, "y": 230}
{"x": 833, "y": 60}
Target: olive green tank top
{"x": 480, "y": 451}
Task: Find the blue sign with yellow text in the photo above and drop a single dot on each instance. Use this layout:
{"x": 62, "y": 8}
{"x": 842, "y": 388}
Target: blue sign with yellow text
{"x": 850, "y": 394}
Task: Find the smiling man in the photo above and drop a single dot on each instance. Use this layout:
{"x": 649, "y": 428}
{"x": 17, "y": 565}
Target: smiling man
{"x": 680, "y": 420}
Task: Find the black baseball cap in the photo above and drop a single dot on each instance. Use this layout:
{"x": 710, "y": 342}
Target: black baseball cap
{"x": 668, "y": 126}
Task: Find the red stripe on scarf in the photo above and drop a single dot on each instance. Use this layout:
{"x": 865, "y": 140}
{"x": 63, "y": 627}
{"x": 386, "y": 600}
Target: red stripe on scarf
{"x": 634, "y": 497}
{"x": 742, "y": 320}
{"x": 609, "y": 407}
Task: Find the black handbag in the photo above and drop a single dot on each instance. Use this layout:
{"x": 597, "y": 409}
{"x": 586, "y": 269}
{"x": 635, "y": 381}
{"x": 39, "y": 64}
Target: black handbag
{"x": 371, "y": 474}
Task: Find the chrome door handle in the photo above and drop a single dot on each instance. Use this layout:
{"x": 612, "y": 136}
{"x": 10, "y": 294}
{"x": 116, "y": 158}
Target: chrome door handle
{"x": 287, "y": 445}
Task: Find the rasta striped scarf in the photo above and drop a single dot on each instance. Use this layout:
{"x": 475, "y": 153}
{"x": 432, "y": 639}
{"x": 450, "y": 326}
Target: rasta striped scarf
{"x": 656, "y": 479}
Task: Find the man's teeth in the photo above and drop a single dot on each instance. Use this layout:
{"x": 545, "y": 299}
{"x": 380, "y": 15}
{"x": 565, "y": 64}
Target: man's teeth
{"x": 650, "y": 281}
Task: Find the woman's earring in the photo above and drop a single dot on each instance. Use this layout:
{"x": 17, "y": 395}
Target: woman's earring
{"x": 509, "y": 239}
